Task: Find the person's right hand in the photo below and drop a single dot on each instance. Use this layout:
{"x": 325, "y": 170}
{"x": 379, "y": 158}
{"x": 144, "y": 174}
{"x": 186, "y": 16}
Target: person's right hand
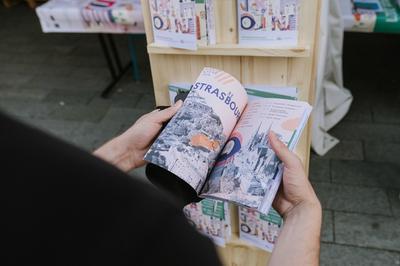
{"x": 295, "y": 191}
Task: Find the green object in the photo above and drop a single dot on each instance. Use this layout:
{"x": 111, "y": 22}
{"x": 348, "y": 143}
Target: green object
{"x": 213, "y": 208}
{"x": 268, "y": 94}
{"x": 272, "y": 217}
{"x": 388, "y": 21}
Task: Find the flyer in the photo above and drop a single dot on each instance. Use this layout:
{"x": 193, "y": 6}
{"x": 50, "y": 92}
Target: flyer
{"x": 268, "y": 22}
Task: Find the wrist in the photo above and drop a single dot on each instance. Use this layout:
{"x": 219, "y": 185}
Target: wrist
{"x": 308, "y": 209}
{"x": 117, "y": 152}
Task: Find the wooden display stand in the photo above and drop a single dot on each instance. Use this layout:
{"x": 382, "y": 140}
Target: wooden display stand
{"x": 278, "y": 66}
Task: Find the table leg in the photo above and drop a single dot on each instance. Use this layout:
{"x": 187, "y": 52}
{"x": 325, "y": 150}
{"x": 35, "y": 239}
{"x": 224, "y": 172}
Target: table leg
{"x": 132, "y": 51}
{"x": 113, "y": 63}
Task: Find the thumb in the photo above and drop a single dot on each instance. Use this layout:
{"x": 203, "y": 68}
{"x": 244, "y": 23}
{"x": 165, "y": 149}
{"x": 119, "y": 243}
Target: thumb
{"x": 289, "y": 159}
{"x": 166, "y": 114}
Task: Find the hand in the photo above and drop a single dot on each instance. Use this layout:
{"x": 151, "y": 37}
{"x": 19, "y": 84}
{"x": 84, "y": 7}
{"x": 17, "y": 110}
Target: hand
{"x": 295, "y": 191}
{"x": 299, "y": 241}
{"x": 127, "y": 150}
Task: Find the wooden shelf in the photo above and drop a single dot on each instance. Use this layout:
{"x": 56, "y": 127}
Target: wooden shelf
{"x": 233, "y": 50}
{"x": 268, "y": 65}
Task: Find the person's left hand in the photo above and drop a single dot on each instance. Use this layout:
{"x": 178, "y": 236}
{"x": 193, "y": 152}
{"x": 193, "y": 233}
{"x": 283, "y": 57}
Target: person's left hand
{"x": 127, "y": 150}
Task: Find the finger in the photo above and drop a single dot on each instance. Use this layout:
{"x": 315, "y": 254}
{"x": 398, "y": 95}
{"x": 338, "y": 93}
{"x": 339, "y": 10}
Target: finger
{"x": 289, "y": 159}
{"x": 166, "y": 114}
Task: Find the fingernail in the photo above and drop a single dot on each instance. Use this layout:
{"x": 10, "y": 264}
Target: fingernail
{"x": 156, "y": 110}
{"x": 178, "y": 103}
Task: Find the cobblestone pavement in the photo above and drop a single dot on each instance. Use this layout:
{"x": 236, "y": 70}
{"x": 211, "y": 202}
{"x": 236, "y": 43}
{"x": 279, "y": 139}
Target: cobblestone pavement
{"x": 53, "y": 81}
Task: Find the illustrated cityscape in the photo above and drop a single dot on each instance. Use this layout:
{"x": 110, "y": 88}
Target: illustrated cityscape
{"x": 247, "y": 177}
{"x": 190, "y": 143}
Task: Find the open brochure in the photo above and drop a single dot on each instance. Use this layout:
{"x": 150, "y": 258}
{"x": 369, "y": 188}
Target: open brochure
{"x": 211, "y": 218}
{"x": 218, "y": 141}
{"x": 259, "y": 229}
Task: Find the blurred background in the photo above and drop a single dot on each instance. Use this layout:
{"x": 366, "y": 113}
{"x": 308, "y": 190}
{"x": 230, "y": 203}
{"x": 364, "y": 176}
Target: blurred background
{"x": 54, "y": 81}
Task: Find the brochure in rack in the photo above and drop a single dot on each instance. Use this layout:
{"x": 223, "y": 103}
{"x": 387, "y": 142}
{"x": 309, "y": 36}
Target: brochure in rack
{"x": 211, "y": 218}
{"x": 268, "y": 22}
{"x": 259, "y": 229}
{"x": 174, "y": 23}
{"x": 218, "y": 141}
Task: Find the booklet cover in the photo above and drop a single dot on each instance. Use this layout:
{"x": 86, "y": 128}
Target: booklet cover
{"x": 218, "y": 141}
{"x": 211, "y": 218}
{"x": 174, "y": 23}
{"x": 268, "y": 22}
{"x": 259, "y": 229}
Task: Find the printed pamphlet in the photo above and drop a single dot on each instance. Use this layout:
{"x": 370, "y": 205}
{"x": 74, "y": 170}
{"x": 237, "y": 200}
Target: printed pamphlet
{"x": 174, "y": 23}
{"x": 116, "y": 16}
{"x": 268, "y": 22}
{"x": 211, "y": 33}
{"x": 201, "y": 22}
{"x": 211, "y": 218}
{"x": 218, "y": 141}
{"x": 259, "y": 229}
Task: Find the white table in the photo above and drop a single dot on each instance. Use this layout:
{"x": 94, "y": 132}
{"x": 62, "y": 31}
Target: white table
{"x": 105, "y": 17}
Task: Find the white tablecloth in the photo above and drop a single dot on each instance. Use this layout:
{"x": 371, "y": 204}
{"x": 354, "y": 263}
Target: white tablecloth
{"x": 332, "y": 100}
{"x": 107, "y": 16}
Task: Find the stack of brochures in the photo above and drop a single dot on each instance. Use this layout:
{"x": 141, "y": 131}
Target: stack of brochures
{"x": 188, "y": 23}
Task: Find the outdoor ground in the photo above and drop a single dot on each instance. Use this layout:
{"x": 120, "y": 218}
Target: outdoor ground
{"x": 53, "y": 81}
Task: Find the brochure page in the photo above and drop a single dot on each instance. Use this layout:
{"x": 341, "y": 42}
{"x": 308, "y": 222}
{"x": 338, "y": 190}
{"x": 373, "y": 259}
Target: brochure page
{"x": 190, "y": 143}
{"x": 246, "y": 170}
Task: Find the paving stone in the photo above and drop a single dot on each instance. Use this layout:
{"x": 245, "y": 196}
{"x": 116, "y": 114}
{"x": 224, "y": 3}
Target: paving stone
{"x": 79, "y": 112}
{"x": 59, "y": 128}
{"x": 373, "y": 174}
{"x": 89, "y": 73}
{"x": 394, "y": 198}
{"x": 70, "y": 97}
{"x": 327, "y": 226}
{"x": 125, "y": 98}
{"x": 383, "y": 152}
{"x": 333, "y": 255}
{"x": 14, "y": 80}
{"x": 65, "y": 82}
{"x": 386, "y": 113}
{"x": 20, "y": 108}
{"x": 147, "y": 102}
{"x": 128, "y": 86}
{"x": 125, "y": 116}
{"x": 346, "y": 150}
{"x": 352, "y": 198}
{"x": 367, "y": 131}
{"x": 30, "y": 58}
{"x": 53, "y": 71}
{"x": 360, "y": 111}
{"x": 319, "y": 169}
{"x": 367, "y": 230}
{"x": 25, "y": 92}
{"x": 90, "y": 136}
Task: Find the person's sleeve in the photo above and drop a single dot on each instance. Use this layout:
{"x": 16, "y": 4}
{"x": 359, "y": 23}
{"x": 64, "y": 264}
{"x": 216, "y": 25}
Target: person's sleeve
{"x": 178, "y": 242}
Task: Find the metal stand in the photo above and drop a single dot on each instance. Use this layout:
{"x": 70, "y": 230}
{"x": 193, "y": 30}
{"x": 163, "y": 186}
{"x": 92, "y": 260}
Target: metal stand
{"x": 113, "y": 62}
